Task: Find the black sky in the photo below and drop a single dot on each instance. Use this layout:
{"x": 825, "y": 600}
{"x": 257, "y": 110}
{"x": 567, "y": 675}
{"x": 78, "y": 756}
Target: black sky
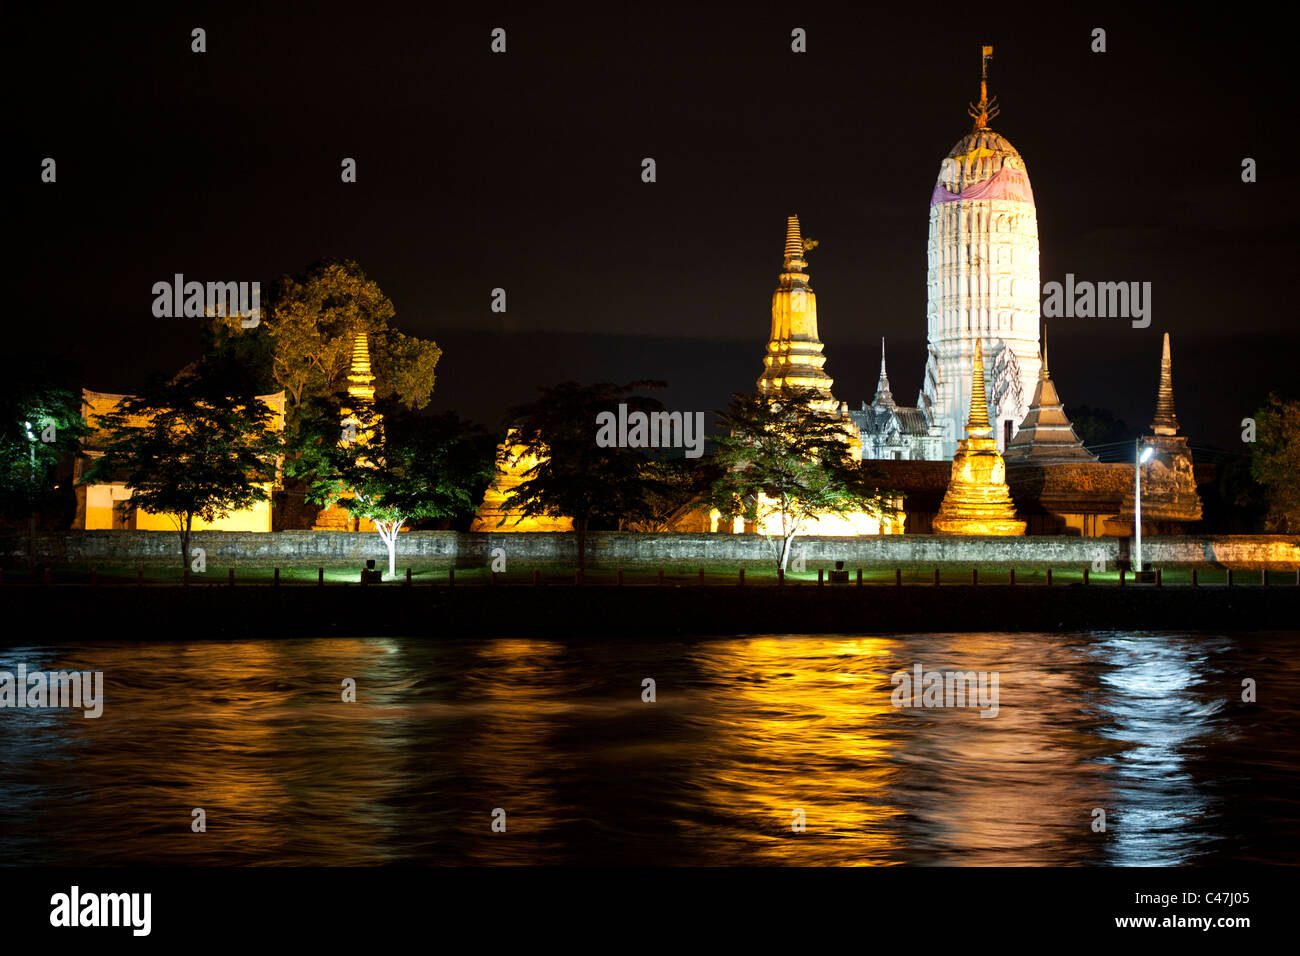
{"x": 522, "y": 171}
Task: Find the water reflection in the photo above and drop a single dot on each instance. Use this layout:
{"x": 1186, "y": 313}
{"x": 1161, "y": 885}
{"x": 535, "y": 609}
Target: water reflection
{"x": 744, "y": 732}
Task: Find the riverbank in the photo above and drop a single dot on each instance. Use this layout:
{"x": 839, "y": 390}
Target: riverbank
{"x": 36, "y": 614}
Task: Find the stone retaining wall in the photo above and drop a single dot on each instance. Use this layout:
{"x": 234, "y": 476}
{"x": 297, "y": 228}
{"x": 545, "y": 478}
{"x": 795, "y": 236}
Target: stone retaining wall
{"x": 610, "y": 549}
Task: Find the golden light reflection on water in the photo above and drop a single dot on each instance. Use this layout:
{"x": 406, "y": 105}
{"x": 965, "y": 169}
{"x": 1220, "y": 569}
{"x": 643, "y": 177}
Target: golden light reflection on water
{"x": 744, "y": 732}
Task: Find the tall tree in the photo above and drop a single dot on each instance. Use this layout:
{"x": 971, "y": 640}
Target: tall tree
{"x": 783, "y": 459}
{"x": 306, "y": 336}
{"x": 1275, "y": 461}
{"x": 391, "y": 467}
{"x": 574, "y": 475}
{"x": 191, "y": 448}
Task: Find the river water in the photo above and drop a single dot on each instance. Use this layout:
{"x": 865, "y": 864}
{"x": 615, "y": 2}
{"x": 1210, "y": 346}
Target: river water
{"x": 769, "y": 749}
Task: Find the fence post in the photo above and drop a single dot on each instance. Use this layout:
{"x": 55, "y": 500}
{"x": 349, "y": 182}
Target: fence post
{"x": 701, "y": 575}
{"x": 859, "y": 577}
{"x": 230, "y": 577}
{"x": 620, "y": 577}
{"x": 408, "y": 577}
{"x": 1012, "y": 576}
{"x": 1194, "y": 580}
{"x": 1085, "y": 576}
{"x": 661, "y": 577}
{"x": 1229, "y": 577}
{"x": 139, "y": 577}
{"x": 1049, "y": 577}
{"x": 819, "y": 577}
{"x": 537, "y": 577}
{"x": 742, "y": 577}
{"x": 451, "y": 577}
{"x": 936, "y": 577}
{"x": 898, "y": 577}
{"x": 277, "y": 577}
{"x": 974, "y": 576}
{"x": 320, "y": 576}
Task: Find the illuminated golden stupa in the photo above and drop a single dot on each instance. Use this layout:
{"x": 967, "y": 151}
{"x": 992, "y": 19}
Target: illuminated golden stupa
{"x": 978, "y": 500}
{"x": 361, "y": 392}
{"x": 513, "y": 463}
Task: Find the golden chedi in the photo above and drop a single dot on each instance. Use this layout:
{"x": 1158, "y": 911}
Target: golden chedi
{"x": 978, "y": 500}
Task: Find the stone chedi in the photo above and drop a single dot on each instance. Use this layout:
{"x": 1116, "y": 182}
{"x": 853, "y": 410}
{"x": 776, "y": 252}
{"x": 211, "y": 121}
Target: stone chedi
{"x": 361, "y": 393}
{"x": 794, "y": 356}
{"x": 513, "y": 464}
{"x": 1168, "y": 480}
{"x": 978, "y": 500}
{"x": 982, "y": 279}
{"x": 1046, "y": 435}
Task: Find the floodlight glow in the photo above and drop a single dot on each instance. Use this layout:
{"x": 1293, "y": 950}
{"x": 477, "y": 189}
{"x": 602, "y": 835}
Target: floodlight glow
{"x": 1146, "y": 454}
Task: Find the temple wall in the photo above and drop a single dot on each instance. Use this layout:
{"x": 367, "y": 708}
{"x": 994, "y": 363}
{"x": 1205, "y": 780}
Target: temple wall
{"x": 610, "y": 548}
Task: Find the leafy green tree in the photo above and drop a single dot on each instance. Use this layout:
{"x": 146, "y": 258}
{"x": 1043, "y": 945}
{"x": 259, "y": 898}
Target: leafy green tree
{"x": 40, "y": 427}
{"x": 391, "y": 467}
{"x": 1275, "y": 461}
{"x": 574, "y": 476}
{"x": 304, "y": 342}
{"x": 782, "y": 458}
{"x": 191, "y": 448}
{"x": 676, "y": 488}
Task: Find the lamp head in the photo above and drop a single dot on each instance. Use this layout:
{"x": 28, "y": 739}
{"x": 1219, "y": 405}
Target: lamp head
{"x": 1146, "y": 454}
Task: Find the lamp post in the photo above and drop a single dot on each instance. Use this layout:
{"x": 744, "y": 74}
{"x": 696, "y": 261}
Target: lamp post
{"x": 1142, "y": 456}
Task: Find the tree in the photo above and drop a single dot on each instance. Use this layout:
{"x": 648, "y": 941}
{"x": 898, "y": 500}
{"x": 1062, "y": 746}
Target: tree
{"x": 391, "y": 467}
{"x": 40, "y": 427}
{"x": 1275, "y": 461}
{"x": 191, "y": 448}
{"x": 305, "y": 340}
{"x": 677, "y": 488}
{"x": 574, "y": 476}
{"x": 782, "y": 458}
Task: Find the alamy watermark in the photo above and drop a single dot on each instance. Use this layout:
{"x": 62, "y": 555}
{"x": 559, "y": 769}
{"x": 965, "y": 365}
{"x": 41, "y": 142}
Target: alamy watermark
{"x": 1098, "y": 300}
{"x": 651, "y": 430}
{"x": 922, "y": 688}
{"x": 58, "y": 689}
{"x": 193, "y": 300}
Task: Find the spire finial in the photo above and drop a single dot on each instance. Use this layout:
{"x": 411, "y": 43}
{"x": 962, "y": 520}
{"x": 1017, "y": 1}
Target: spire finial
{"x": 1165, "y": 422}
{"x": 883, "y": 394}
{"x": 1043, "y": 375}
{"x": 979, "y": 403}
{"x": 986, "y": 109}
{"x": 794, "y": 246}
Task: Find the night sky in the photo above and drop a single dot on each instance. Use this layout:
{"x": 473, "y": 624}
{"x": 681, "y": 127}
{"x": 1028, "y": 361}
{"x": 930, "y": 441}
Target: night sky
{"x": 523, "y": 171}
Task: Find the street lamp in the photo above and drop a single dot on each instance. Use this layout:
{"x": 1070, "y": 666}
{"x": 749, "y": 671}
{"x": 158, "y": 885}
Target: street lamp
{"x": 1143, "y": 455}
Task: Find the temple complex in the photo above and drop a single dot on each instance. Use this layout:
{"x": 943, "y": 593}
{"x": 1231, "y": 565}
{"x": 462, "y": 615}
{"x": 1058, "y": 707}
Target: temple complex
{"x": 893, "y": 432}
{"x": 978, "y": 500}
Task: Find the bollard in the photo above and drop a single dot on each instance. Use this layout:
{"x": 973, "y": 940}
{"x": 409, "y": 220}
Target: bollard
{"x": 780, "y": 576}
{"x": 742, "y": 577}
{"x": 1085, "y": 576}
{"x": 819, "y": 577}
{"x": 537, "y": 577}
{"x": 974, "y": 576}
{"x": 1159, "y": 578}
{"x": 661, "y": 577}
{"x": 1194, "y": 581}
{"x": 451, "y": 577}
{"x": 139, "y": 577}
{"x": 94, "y": 577}
{"x": 408, "y": 576}
{"x": 276, "y": 582}
{"x": 859, "y": 577}
{"x": 1229, "y": 581}
{"x": 1049, "y": 577}
{"x": 701, "y": 575}
{"x": 230, "y": 577}
{"x": 936, "y": 577}
{"x": 620, "y": 577}
{"x": 1011, "y": 578}
{"x": 1263, "y": 576}
{"x": 898, "y": 577}
{"x": 320, "y": 576}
